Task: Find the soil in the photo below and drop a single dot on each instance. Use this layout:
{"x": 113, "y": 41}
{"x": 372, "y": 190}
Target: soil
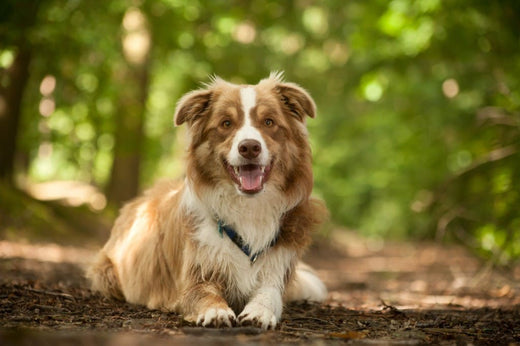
{"x": 391, "y": 294}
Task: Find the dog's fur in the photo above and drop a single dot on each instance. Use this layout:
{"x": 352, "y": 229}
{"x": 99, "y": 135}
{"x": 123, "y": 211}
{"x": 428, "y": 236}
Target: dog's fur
{"x": 165, "y": 250}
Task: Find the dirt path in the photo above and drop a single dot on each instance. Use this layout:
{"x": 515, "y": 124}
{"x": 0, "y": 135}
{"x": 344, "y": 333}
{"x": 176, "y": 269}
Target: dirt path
{"x": 396, "y": 294}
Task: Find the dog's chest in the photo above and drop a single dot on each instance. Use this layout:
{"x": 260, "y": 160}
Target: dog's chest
{"x": 257, "y": 222}
{"x": 218, "y": 254}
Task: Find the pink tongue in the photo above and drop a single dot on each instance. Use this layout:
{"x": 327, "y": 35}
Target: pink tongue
{"x": 251, "y": 177}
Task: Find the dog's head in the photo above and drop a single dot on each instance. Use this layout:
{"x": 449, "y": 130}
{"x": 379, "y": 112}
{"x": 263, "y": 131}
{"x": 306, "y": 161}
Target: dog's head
{"x": 252, "y": 137}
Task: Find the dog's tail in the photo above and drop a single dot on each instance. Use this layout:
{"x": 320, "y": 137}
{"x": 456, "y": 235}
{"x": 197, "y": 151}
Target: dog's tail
{"x": 305, "y": 285}
{"x": 103, "y": 277}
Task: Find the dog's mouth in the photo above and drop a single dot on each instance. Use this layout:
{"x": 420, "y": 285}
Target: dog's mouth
{"x": 250, "y": 178}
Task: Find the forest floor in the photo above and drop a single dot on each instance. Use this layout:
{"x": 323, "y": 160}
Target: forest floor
{"x": 391, "y": 294}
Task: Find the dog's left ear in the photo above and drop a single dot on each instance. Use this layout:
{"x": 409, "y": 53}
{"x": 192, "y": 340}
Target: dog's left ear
{"x": 296, "y": 100}
{"x": 191, "y": 106}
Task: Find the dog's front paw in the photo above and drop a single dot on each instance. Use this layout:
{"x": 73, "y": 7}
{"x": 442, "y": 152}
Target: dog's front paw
{"x": 258, "y": 315}
{"x": 216, "y": 317}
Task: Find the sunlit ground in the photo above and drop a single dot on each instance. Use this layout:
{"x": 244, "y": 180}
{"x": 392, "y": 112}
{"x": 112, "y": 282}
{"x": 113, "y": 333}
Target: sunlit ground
{"x": 412, "y": 275}
{"x": 45, "y": 252}
{"x": 72, "y": 193}
{"x": 361, "y": 274}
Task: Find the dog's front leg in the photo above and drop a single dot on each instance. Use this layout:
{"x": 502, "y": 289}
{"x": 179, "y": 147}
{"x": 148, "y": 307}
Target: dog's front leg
{"x": 203, "y": 304}
{"x": 264, "y": 309}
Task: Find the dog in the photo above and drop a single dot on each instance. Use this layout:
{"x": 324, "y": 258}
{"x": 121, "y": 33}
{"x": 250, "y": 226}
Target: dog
{"x": 222, "y": 248}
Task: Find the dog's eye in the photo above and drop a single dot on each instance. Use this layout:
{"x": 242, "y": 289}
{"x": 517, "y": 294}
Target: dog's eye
{"x": 269, "y": 122}
{"x": 226, "y": 124}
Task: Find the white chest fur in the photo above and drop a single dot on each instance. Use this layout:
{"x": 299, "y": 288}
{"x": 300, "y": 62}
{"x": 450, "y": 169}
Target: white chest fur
{"x": 256, "y": 220}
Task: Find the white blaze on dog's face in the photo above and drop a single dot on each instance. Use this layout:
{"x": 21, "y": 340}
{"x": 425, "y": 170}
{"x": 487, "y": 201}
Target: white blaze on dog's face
{"x": 248, "y": 161}
{"x": 249, "y": 136}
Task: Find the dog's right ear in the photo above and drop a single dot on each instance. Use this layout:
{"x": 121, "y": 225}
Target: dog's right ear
{"x": 191, "y": 106}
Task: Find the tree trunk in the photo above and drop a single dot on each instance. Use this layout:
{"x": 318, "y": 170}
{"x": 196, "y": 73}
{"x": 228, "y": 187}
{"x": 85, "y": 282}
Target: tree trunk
{"x": 133, "y": 80}
{"x": 21, "y": 16}
{"x": 124, "y": 176}
{"x": 10, "y": 111}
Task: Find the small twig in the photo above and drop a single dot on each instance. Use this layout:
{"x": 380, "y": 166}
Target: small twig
{"x": 50, "y": 293}
{"x": 314, "y": 319}
{"x": 391, "y": 308}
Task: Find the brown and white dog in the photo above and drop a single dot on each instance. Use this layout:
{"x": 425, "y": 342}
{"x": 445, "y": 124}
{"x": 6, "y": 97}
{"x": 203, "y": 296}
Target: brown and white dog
{"x": 227, "y": 241}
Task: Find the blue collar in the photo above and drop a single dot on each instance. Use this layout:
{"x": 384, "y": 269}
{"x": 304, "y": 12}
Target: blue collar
{"x": 240, "y": 242}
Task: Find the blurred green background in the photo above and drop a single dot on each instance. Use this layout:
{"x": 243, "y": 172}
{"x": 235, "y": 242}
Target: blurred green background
{"x": 418, "y": 129}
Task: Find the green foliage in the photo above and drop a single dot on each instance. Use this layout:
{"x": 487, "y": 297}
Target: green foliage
{"x": 418, "y": 125}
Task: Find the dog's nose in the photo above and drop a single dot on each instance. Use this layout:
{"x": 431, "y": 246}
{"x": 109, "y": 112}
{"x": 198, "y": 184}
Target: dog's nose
{"x": 249, "y": 148}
